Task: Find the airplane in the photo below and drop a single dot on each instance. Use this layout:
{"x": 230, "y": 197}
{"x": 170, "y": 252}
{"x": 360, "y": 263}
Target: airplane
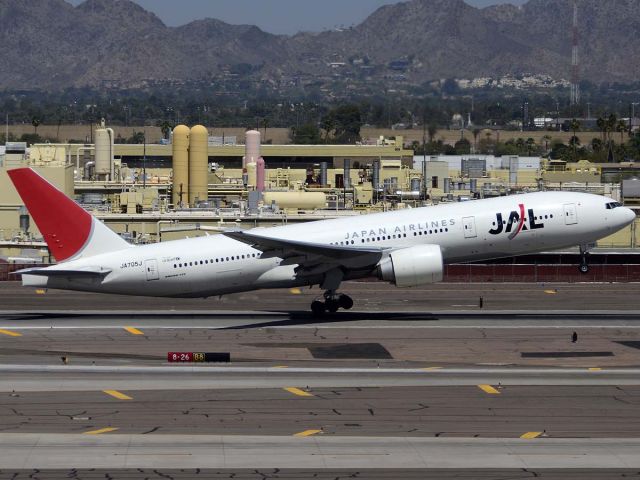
{"x": 407, "y": 248}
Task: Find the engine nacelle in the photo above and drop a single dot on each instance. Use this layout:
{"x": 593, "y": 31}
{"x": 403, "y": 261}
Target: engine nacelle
{"x": 412, "y": 266}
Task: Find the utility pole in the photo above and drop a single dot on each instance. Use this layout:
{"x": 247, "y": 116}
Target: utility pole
{"x": 144, "y": 159}
{"x": 575, "y": 65}
{"x": 6, "y": 131}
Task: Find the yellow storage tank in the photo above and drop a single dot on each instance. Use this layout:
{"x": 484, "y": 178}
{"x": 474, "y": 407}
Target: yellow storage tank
{"x": 180, "y": 166}
{"x": 198, "y": 165}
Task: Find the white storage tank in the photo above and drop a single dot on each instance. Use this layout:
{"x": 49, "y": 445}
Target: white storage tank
{"x": 104, "y": 142}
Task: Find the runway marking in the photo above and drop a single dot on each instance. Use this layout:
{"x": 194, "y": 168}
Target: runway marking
{"x": 117, "y": 394}
{"x": 281, "y": 366}
{"x": 428, "y": 369}
{"x": 100, "y": 431}
{"x": 551, "y": 292}
{"x": 40, "y": 291}
{"x": 10, "y": 333}
{"x": 133, "y": 331}
{"x": 307, "y": 433}
{"x": 297, "y": 391}
{"x": 295, "y": 291}
{"x": 530, "y": 435}
{"x": 489, "y": 389}
{"x": 595, "y": 369}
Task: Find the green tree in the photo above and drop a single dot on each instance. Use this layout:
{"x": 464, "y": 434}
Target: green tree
{"x": 463, "y": 147}
{"x": 345, "y": 121}
{"x": 531, "y": 145}
{"x": 307, "y": 134}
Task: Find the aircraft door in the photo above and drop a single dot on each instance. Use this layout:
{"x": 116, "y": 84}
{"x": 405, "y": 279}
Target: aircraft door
{"x": 469, "y": 226}
{"x": 151, "y": 267}
{"x": 570, "y": 214}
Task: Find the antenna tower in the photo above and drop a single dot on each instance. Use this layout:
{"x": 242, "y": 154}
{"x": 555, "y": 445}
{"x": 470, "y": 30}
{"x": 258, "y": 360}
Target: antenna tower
{"x": 575, "y": 65}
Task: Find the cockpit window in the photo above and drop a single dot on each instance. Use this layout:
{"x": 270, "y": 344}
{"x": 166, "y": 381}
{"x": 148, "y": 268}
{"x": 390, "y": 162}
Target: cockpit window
{"x": 612, "y": 205}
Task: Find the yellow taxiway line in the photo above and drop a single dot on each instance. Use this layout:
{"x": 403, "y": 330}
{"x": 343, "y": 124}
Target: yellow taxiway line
{"x": 307, "y": 433}
{"x": 133, "y": 331}
{"x": 297, "y": 391}
{"x": 117, "y": 394}
{"x": 488, "y": 389}
{"x": 10, "y": 333}
{"x": 100, "y": 431}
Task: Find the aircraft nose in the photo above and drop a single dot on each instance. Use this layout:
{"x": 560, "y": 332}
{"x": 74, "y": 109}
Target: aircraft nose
{"x": 628, "y": 215}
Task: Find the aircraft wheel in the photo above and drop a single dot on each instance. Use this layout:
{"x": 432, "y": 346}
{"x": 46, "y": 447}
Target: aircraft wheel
{"x": 318, "y": 308}
{"x": 332, "y": 306}
{"x": 584, "y": 268}
{"x": 345, "y": 302}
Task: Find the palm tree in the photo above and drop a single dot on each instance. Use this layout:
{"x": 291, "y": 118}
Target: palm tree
{"x": 432, "y": 129}
{"x": 476, "y": 132}
{"x": 621, "y": 128}
{"x": 35, "y": 121}
{"x": 531, "y": 143}
{"x": 574, "y": 126}
{"x": 602, "y": 126}
{"x": 611, "y": 124}
{"x": 165, "y": 128}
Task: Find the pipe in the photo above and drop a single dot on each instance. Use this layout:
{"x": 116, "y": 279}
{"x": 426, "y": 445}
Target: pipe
{"x": 111, "y": 149}
{"x": 87, "y": 169}
{"x": 82, "y": 149}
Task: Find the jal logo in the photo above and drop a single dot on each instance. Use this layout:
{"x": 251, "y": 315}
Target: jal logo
{"x": 516, "y": 222}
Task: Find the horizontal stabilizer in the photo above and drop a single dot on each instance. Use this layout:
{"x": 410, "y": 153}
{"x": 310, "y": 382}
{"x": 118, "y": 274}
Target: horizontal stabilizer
{"x": 61, "y": 272}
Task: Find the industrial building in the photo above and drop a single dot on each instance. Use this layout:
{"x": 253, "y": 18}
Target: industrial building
{"x": 197, "y": 184}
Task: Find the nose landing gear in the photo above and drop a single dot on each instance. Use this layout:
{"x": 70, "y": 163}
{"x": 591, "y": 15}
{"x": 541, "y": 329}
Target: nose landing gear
{"x": 332, "y": 303}
{"x": 584, "y": 261}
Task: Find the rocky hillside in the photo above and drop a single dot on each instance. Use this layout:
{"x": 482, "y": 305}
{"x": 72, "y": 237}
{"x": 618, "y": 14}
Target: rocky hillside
{"x": 51, "y": 44}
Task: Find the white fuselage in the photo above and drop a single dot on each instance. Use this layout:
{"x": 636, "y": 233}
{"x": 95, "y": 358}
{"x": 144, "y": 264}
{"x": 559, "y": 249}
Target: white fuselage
{"x": 468, "y": 231}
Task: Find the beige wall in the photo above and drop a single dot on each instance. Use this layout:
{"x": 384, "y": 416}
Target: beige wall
{"x": 281, "y": 136}
{"x": 10, "y": 201}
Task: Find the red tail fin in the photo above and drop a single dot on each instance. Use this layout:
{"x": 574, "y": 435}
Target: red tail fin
{"x": 66, "y": 227}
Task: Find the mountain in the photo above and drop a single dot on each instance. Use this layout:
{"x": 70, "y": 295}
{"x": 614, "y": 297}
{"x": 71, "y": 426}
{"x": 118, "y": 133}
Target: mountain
{"x": 50, "y": 44}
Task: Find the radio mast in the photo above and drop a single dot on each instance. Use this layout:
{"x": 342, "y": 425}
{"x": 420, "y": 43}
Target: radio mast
{"x": 575, "y": 65}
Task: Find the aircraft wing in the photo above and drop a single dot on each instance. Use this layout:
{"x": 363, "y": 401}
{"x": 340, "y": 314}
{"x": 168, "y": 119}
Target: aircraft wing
{"x": 310, "y": 254}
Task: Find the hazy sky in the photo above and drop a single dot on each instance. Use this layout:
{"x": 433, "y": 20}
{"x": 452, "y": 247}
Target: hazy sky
{"x": 276, "y": 16}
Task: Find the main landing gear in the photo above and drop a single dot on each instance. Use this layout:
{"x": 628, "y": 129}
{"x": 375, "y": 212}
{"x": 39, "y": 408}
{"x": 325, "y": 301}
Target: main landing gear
{"x": 584, "y": 262}
{"x": 332, "y": 303}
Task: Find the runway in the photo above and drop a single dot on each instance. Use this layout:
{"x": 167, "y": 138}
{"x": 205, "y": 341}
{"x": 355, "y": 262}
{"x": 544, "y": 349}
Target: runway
{"x": 411, "y": 384}
{"x": 369, "y": 297}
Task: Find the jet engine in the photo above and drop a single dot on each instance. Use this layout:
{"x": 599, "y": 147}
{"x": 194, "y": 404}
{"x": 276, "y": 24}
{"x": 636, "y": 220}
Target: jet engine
{"x": 412, "y": 266}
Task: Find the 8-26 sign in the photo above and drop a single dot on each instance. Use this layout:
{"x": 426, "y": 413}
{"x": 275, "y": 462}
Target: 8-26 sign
{"x": 198, "y": 357}
{"x": 180, "y": 357}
